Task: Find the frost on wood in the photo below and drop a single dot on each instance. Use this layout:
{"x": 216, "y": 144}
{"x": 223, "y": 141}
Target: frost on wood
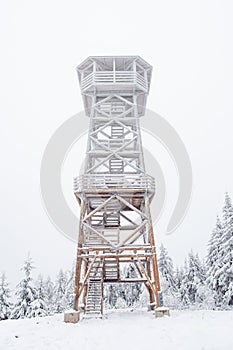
{"x": 114, "y": 191}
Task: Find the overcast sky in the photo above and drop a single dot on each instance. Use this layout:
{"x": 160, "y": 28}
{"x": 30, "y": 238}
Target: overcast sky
{"x": 189, "y": 44}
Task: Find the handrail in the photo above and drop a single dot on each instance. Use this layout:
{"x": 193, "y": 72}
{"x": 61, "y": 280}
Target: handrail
{"x": 114, "y": 77}
{"x": 113, "y": 181}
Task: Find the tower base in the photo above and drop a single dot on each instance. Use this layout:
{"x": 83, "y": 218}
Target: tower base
{"x": 162, "y": 311}
{"x": 72, "y": 316}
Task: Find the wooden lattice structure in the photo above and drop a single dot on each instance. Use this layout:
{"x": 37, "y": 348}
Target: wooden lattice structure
{"x": 114, "y": 192}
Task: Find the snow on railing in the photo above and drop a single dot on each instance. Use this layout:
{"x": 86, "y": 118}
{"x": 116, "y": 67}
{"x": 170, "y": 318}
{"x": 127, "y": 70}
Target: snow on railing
{"x": 114, "y": 77}
{"x": 113, "y": 181}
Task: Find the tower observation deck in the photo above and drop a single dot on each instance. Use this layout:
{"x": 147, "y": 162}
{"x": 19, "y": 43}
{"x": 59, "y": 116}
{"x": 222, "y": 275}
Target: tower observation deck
{"x": 114, "y": 191}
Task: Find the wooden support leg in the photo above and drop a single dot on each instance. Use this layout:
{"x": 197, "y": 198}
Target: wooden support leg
{"x": 154, "y": 257}
{"x": 150, "y": 291}
{"x": 77, "y": 282}
{"x": 85, "y": 289}
{"x": 151, "y": 306}
{"x": 79, "y": 260}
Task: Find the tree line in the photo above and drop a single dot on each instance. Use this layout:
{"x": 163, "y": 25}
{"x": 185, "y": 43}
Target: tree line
{"x": 206, "y": 283}
{"x": 203, "y": 283}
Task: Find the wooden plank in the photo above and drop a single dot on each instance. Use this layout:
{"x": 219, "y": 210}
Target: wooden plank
{"x": 99, "y": 234}
{"x": 98, "y": 208}
{"x": 86, "y": 276}
{"x": 146, "y": 275}
{"x": 133, "y": 234}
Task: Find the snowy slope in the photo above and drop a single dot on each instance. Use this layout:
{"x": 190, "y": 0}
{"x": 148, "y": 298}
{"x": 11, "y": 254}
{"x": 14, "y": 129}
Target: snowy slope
{"x": 184, "y": 330}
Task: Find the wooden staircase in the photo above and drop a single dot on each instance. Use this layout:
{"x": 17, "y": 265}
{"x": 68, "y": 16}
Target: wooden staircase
{"x": 94, "y": 301}
{"x": 94, "y": 298}
{"x": 106, "y": 270}
{"x": 111, "y": 270}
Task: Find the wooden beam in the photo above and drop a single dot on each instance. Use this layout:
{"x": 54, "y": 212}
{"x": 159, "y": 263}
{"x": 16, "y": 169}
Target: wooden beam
{"x": 98, "y": 208}
{"x": 99, "y": 234}
{"x": 86, "y": 276}
{"x": 131, "y": 206}
{"x": 132, "y": 234}
{"x": 146, "y": 275}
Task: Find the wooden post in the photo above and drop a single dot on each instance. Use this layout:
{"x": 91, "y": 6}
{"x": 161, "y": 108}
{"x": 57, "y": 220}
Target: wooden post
{"x": 85, "y": 289}
{"x": 151, "y": 293}
{"x": 79, "y": 259}
{"x": 162, "y": 311}
{"x": 154, "y": 258}
{"x": 71, "y": 316}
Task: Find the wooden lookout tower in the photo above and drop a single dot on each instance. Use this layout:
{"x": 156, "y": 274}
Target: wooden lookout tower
{"x": 114, "y": 192}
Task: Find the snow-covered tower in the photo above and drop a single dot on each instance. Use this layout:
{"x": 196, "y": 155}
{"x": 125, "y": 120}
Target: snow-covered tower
{"x": 114, "y": 192}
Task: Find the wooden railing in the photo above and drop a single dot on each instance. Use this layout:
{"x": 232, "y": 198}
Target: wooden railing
{"x": 114, "y": 77}
{"x": 113, "y": 181}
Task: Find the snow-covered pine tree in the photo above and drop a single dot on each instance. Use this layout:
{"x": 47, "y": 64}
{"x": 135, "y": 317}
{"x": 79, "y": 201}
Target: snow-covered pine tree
{"x": 70, "y": 288}
{"x": 5, "y": 305}
{"x": 225, "y": 272}
{"x": 192, "y": 282}
{"x": 60, "y": 300}
{"x": 25, "y": 292}
{"x": 184, "y": 292}
{"x": 131, "y": 291}
{"x": 123, "y": 295}
{"x": 203, "y": 292}
{"x": 49, "y": 295}
{"x": 178, "y": 277}
{"x": 38, "y": 306}
{"x": 214, "y": 263}
{"x": 112, "y": 293}
{"x": 166, "y": 268}
{"x": 167, "y": 277}
{"x": 195, "y": 279}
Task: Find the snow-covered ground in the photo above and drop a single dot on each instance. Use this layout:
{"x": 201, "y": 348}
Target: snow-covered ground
{"x": 184, "y": 330}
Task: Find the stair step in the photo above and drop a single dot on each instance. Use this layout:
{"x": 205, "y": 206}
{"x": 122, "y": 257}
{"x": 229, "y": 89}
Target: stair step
{"x": 89, "y": 316}
{"x": 93, "y": 311}
{"x": 94, "y": 299}
{"x": 94, "y": 291}
{"x": 108, "y": 271}
{"x": 93, "y": 303}
{"x": 95, "y": 315}
{"x": 116, "y": 166}
{"x": 117, "y": 131}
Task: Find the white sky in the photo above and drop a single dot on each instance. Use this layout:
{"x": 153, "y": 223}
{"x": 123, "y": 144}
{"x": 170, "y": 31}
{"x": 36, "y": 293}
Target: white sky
{"x": 189, "y": 44}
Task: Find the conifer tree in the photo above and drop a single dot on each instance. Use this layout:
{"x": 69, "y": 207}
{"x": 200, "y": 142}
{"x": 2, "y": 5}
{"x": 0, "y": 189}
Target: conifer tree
{"x": 25, "y": 292}
{"x": 184, "y": 292}
{"x": 131, "y": 291}
{"x": 167, "y": 278}
{"x": 38, "y": 306}
{"x": 179, "y": 274}
{"x": 70, "y": 288}
{"x": 195, "y": 277}
{"x": 166, "y": 269}
{"x": 49, "y": 295}
{"x": 60, "y": 292}
{"x": 225, "y": 272}
{"x": 214, "y": 262}
{"x": 5, "y": 305}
